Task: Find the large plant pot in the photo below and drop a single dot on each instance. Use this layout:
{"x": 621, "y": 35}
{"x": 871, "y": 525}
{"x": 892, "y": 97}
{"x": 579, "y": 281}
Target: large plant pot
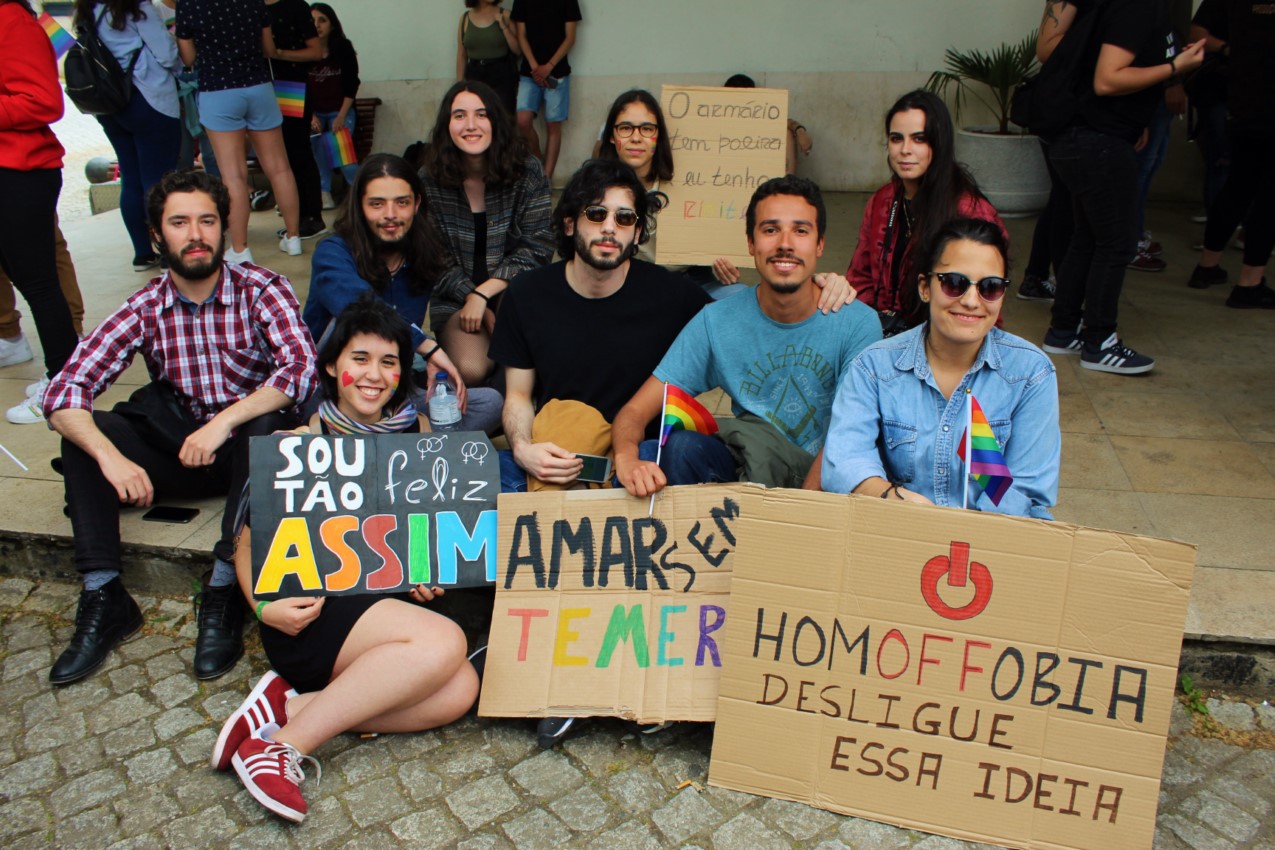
{"x": 1009, "y": 169}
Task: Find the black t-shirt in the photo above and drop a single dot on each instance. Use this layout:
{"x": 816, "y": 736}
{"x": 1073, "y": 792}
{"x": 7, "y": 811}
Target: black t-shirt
{"x": 595, "y": 350}
{"x": 546, "y": 22}
{"x": 1248, "y": 28}
{"x": 1143, "y": 28}
{"x": 292, "y": 25}
{"x": 227, "y": 36}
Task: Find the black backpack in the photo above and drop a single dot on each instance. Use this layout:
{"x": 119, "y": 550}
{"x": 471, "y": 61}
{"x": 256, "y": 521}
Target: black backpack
{"x": 1049, "y": 101}
{"x": 95, "y": 83}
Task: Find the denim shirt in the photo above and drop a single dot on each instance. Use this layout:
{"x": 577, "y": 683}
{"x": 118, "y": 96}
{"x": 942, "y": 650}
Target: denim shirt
{"x": 157, "y": 64}
{"x": 890, "y": 420}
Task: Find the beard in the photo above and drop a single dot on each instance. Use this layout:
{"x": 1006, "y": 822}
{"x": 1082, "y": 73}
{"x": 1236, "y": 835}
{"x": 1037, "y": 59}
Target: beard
{"x": 784, "y": 287}
{"x": 390, "y": 246}
{"x": 193, "y": 270}
{"x": 584, "y": 250}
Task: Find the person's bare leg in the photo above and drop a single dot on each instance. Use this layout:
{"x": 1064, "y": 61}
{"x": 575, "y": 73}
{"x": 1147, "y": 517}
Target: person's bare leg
{"x": 228, "y": 146}
{"x": 527, "y": 126}
{"x": 1251, "y": 275}
{"x": 553, "y": 145}
{"x": 468, "y": 351}
{"x": 274, "y": 162}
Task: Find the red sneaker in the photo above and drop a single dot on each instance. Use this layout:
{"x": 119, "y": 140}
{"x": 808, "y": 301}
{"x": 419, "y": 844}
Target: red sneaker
{"x": 265, "y": 706}
{"x": 272, "y": 774}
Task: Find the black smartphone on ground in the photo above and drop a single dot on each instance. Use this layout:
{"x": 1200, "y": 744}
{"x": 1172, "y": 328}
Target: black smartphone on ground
{"x": 170, "y": 513}
{"x": 597, "y": 469}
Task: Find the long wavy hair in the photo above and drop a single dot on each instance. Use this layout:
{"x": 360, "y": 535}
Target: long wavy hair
{"x": 662, "y": 159}
{"x": 338, "y": 41}
{"x": 120, "y": 11}
{"x": 423, "y": 246}
{"x": 505, "y": 160}
{"x": 944, "y": 183}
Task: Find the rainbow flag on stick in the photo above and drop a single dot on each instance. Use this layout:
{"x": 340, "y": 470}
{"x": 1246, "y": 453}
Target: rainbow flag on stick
{"x": 60, "y": 38}
{"x": 986, "y": 464}
{"x": 683, "y": 413}
{"x": 291, "y": 97}
{"x": 338, "y": 147}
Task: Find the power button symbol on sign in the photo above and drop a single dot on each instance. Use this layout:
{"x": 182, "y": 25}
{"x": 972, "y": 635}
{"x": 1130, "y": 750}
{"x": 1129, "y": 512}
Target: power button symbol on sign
{"x": 959, "y": 570}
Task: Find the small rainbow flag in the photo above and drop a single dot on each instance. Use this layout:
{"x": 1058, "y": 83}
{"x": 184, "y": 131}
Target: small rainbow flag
{"x": 683, "y": 413}
{"x": 987, "y": 462}
{"x": 291, "y": 97}
{"x": 338, "y": 146}
{"x": 61, "y": 39}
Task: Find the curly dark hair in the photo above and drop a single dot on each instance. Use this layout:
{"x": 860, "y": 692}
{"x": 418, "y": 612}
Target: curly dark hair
{"x": 588, "y": 186}
{"x": 505, "y": 161}
{"x": 186, "y": 181}
{"x": 790, "y": 184}
{"x": 662, "y": 162}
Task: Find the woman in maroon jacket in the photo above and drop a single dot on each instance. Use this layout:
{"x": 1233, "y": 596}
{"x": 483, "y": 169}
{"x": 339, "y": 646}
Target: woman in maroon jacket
{"x": 928, "y": 189}
{"x": 30, "y": 180}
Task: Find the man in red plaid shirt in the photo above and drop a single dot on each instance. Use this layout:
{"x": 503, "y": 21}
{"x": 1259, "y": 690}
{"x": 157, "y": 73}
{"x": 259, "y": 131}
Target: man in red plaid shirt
{"x": 228, "y": 356}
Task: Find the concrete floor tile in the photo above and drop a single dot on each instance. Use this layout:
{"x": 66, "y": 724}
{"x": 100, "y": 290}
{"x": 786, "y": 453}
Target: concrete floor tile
{"x": 1199, "y": 467}
{"x": 1170, "y": 375}
{"x": 1187, "y": 415}
{"x": 134, "y": 529}
{"x": 1266, "y": 451}
{"x": 1231, "y": 605}
{"x": 33, "y": 506}
{"x": 1091, "y": 463}
{"x": 1076, "y": 415}
{"x": 1232, "y": 532}
{"x": 1251, "y": 414}
{"x": 1110, "y": 509}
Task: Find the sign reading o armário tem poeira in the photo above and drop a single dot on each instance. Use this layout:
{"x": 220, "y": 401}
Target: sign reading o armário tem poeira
{"x": 341, "y": 514}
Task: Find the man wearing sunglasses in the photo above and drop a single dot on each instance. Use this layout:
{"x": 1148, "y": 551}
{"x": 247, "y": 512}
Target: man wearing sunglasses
{"x": 774, "y": 352}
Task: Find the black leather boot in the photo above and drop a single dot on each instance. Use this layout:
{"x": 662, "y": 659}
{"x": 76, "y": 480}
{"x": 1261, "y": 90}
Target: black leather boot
{"x": 104, "y": 617}
{"x": 219, "y": 643}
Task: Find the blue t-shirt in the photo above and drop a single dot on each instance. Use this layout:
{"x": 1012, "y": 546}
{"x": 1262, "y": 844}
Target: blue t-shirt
{"x": 227, "y": 36}
{"x": 785, "y": 374}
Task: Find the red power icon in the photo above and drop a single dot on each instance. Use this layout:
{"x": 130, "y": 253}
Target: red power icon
{"x": 958, "y": 569}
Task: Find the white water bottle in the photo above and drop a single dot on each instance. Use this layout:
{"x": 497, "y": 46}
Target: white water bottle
{"x": 444, "y": 406}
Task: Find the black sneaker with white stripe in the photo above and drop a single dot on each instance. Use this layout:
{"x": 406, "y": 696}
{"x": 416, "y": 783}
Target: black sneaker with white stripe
{"x": 1062, "y": 342}
{"x": 1115, "y": 358}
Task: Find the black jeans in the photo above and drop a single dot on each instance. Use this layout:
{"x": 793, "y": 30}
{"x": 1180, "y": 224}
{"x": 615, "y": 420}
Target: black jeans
{"x": 1248, "y": 196}
{"x": 1101, "y": 172}
{"x": 95, "y": 506}
{"x": 1054, "y": 227}
{"x": 28, "y": 206}
{"x": 296, "y": 141}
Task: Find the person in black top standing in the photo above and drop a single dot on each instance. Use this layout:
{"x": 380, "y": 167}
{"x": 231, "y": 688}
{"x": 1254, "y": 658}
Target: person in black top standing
{"x": 297, "y": 48}
{"x": 1134, "y": 55}
{"x": 546, "y": 34}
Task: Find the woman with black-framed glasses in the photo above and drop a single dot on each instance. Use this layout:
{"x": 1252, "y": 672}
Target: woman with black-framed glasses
{"x": 901, "y": 412}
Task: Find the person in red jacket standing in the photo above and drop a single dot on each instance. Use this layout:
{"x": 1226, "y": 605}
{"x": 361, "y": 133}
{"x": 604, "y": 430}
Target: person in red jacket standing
{"x": 30, "y": 180}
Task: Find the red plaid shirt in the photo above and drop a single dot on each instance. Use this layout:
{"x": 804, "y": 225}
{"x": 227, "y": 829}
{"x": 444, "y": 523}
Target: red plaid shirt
{"x": 248, "y": 335}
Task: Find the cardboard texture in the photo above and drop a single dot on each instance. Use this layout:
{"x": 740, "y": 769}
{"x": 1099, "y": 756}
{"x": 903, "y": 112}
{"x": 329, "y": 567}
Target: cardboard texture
{"x": 603, "y": 610}
{"x": 726, "y": 143}
{"x": 335, "y": 515}
{"x": 1032, "y": 712}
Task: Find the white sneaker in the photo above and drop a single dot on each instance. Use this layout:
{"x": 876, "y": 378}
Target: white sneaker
{"x": 328, "y": 203}
{"x": 236, "y": 258}
{"x": 14, "y": 351}
{"x": 27, "y": 413}
{"x": 36, "y": 390}
{"x": 290, "y": 245}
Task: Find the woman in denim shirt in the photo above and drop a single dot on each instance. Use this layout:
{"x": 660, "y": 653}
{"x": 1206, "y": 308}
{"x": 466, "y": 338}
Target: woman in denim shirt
{"x": 900, "y": 412}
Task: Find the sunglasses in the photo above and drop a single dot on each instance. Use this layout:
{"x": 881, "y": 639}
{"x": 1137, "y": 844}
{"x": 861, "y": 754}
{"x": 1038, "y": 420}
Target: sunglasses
{"x": 954, "y": 285}
{"x": 624, "y": 216}
{"x": 647, "y": 131}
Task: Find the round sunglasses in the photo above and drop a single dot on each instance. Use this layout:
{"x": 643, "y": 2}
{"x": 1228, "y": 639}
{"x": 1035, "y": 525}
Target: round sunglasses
{"x": 624, "y": 217}
{"x": 954, "y": 285}
{"x": 648, "y": 131}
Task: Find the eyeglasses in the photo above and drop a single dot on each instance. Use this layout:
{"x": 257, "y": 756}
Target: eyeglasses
{"x": 648, "y": 130}
{"x": 624, "y": 217}
{"x": 954, "y": 285}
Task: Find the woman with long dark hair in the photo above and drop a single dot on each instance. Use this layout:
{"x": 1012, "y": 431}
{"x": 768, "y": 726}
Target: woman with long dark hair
{"x": 491, "y": 199}
{"x": 487, "y": 50}
{"x": 332, "y": 87}
{"x": 146, "y": 134}
{"x": 928, "y": 189}
{"x": 30, "y": 180}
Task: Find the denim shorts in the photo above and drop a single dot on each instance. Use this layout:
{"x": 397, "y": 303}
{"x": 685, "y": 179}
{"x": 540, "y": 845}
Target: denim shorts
{"x": 556, "y": 101}
{"x": 252, "y": 108}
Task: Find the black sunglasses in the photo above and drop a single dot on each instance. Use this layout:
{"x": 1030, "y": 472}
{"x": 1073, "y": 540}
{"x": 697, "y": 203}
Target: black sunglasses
{"x": 954, "y": 285}
{"x": 624, "y": 216}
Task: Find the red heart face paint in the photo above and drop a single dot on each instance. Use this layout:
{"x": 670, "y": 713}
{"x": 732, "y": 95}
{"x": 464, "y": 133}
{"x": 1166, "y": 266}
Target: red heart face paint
{"x": 346, "y": 379}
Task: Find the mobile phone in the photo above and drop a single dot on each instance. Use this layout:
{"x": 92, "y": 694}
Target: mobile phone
{"x": 597, "y": 469}
{"x": 170, "y": 513}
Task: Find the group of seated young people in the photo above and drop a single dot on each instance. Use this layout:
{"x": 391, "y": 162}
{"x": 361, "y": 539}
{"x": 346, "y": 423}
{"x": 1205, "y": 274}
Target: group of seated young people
{"x": 585, "y": 345}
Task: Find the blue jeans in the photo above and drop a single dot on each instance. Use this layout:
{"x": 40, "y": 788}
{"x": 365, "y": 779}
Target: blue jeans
{"x": 146, "y": 143}
{"x": 1150, "y": 158}
{"x": 688, "y": 458}
{"x": 1101, "y": 172}
{"x": 320, "y": 157}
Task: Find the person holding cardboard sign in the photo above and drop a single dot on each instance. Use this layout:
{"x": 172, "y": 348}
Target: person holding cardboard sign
{"x": 902, "y": 412}
{"x": 400, "y": 669}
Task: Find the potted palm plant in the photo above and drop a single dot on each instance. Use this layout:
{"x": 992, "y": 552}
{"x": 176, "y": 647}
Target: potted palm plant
{"x": 1005, "y": 159}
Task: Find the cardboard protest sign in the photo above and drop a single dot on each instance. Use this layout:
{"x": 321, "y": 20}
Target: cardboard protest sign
{"x": 726, "y": 143}
{"x": 991, "y": 678}
{"x": 604, "y": 610}
{"x": 335, "y": 515}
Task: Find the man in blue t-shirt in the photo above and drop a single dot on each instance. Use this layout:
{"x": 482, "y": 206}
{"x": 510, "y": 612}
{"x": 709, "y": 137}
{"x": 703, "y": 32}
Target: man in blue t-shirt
{"x": 774, "y": 353}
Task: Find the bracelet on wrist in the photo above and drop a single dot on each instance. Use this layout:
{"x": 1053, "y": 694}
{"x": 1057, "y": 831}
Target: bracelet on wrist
{"x": 481, "y": 295}
{"x": 431, "y": 352}
{"x": 1173, "y": 68}
{"x": 262, "y": 604}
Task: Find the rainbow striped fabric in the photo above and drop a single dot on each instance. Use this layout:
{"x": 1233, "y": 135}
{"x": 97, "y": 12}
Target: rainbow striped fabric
{"x": 987, "y": 462}
{"x": 291, "y": 97}
{"x": 60, "y": 38}
{"x": 683, "y": 413}
{"x": 338, "y": 147}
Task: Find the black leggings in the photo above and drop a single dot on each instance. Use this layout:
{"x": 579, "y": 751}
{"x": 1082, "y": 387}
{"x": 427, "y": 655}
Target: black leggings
{"x": 1248, "y": 197}
{"x": 296, "y": 140}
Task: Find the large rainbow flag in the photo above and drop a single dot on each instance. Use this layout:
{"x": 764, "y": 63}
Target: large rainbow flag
{"x": 60, "y": 38}
{"x": 291, "y": 97}
{"x": 987, "y": 463}
{"x": 683, "y": 413}
{"x": 338, "y": 147}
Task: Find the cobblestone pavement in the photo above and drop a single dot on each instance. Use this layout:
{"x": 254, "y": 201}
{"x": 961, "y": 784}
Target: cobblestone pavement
{"x": 121, "y": 761}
